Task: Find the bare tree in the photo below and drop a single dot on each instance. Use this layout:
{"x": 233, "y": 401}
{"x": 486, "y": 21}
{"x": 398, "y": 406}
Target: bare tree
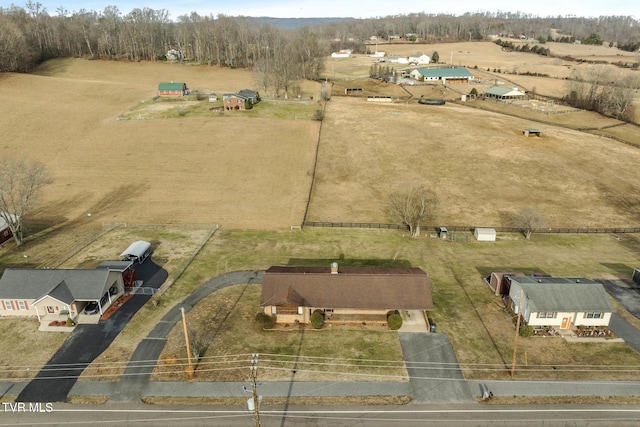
{"x": 528, "y": 220}
{"x": 20, "y": 182}
{"x": 199, "y": 342}
{"x": 412, "y": 206}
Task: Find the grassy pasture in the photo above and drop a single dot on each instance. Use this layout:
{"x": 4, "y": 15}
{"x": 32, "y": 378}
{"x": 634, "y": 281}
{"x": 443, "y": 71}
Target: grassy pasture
{"x": 478, "y": 162}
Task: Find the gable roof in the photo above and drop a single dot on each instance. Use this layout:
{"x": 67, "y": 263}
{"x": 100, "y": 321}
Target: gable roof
{"x": 248, "y": 93}
{"x": 3, "y": 222}
{"x": 171, "y": 86}
{"x": 445, "y": 72}
{"x": 137, "y": 249}
{"x": 374, "y": 288}
{"x": 503, "y": 91}
{"x": 64, "y": 285}
{"x": 571, "y": 294}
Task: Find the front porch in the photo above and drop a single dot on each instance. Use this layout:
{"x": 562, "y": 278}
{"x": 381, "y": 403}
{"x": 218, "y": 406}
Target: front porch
{"x": 56, "y": 323}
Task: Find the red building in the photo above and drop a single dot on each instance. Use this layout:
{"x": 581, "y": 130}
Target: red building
{"x": 5, "y": 232}
{"x": 172, "y": 89}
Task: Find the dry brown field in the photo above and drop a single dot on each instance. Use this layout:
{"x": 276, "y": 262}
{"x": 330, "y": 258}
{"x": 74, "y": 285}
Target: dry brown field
{"x": 245, "y": 173}
{"x": 478, "y": 162}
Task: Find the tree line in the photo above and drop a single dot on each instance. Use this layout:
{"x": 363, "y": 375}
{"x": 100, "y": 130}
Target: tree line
{"x": 32, "y": 34}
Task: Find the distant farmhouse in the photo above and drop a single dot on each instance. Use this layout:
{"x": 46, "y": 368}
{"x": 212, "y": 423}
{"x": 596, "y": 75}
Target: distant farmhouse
{"x": 419, "y": 58}
{"x": 346, "y": 53}
{"x": 349, "y": 294}
{"x": 398, "y": 59}
{"x": 242, "y": 100}
{"x": 445, "y": 75}
{"x": 172, "y": 89}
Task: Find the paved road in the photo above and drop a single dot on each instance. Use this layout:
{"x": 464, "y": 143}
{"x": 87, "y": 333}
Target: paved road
{"x": 320, "y": 415}
{"x": 54, "y": 382}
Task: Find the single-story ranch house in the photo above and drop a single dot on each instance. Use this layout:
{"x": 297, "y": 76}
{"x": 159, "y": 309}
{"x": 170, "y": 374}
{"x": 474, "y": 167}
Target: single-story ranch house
{"x": 446, "y": 75}
{"x": 343, "y": 293}
{"x": 560, "y": 302}
{"x": 172, "y": 89}
{"x": 51, "y": 293}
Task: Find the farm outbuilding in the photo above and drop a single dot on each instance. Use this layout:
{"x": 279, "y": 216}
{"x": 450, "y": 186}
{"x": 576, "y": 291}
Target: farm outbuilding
{"x": 172, "y": 89}
{"x": 500, "y": 282}
{"x": 5, "y": 231}
{"x": 485, "y": 234}
{"x": 503, "y": 93}
{"x": 446, "y": 75}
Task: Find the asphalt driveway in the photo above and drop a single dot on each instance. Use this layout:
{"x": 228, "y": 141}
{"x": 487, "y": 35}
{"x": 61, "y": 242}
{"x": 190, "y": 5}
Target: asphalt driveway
{"x": 54, "y": 382}
{"x": 433, "y": 369}
{"x": 628, "y": 295}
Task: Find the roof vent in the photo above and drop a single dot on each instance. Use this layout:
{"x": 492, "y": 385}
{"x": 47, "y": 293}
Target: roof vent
{"x": 334, "y": 268}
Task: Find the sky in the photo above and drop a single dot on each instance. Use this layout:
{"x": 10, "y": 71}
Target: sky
{"x": 348, "y": 8}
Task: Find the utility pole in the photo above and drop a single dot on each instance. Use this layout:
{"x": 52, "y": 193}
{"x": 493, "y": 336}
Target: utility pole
{"x": 254, "y": 390}
{"x": 515, "y": 344}
{"x": 186, "y": 339}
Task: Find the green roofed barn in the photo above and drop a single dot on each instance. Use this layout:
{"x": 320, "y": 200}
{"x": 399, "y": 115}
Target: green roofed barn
{"x": 446, "y": 75}
{"x": 172, "y": 89}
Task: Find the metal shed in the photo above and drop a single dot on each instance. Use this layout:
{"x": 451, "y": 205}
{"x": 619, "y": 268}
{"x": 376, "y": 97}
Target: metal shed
{"x": 485, "y": 234}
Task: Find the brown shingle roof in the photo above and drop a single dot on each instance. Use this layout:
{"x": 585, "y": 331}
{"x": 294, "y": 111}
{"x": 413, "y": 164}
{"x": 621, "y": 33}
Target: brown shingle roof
{"x": 374, "y": 288}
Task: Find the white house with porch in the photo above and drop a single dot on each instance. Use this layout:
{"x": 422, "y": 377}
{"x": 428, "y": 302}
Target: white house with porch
{"x": 560, "y": 302}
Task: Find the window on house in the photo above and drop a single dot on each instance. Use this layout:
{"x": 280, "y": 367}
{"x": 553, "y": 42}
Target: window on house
{"x": 593, "y": 315}
{"x": 547, "y": 315}
{"x": 7, "y": 304}
{"x": 273, "y": 309}
{"x": 22, "y": 305}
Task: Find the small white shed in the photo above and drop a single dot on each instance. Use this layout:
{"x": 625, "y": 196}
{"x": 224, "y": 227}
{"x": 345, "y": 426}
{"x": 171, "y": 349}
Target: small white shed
{"x": 485, "y": 234}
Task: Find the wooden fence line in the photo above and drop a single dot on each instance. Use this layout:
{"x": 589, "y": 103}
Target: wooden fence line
{"x": 562, "y": 230}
